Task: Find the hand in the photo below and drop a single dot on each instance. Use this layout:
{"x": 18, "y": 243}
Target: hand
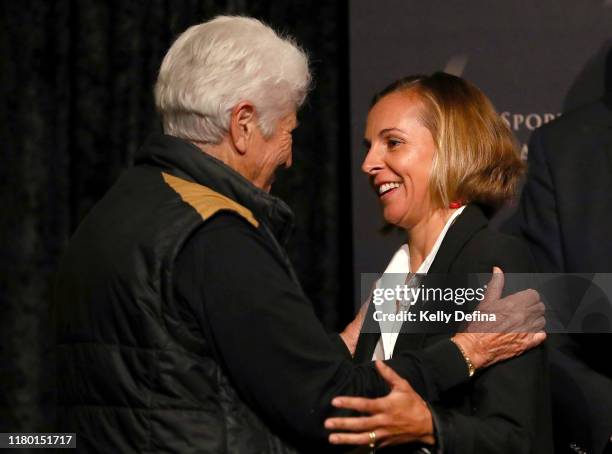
{"x": 518, "y": 326}
{"x": 350, "y": 335}
{"x": 399, "y": 417}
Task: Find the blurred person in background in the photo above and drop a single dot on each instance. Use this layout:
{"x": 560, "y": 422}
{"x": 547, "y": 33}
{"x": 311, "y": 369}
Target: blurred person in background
{"x": 566, "y": 218}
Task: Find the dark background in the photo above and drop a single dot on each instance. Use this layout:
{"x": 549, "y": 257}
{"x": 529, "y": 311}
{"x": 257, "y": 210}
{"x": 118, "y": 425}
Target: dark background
{"x": 76, "y": 80}
{"x": 76, "y": 84}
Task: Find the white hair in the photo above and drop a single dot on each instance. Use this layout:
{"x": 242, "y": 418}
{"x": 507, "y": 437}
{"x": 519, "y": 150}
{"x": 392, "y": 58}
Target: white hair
{"x": 215, "y": 65}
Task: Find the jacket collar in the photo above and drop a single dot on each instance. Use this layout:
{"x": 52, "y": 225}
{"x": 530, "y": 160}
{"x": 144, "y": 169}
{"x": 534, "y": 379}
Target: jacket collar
{"x": 465, "y": 227}
{"x": 183, "y": 159}
{"x": 459, "y": 234}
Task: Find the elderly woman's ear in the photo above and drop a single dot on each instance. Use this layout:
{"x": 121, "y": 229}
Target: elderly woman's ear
{"x": 243, "y": 122}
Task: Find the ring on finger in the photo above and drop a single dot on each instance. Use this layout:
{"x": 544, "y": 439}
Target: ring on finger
{"x": 372, "y": 436}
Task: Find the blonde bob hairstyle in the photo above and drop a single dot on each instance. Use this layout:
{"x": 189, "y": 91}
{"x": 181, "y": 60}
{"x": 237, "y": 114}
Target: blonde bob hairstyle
{"x": 477, "y": 158}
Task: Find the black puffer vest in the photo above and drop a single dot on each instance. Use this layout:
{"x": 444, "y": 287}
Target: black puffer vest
{"x": 131, "y": 378}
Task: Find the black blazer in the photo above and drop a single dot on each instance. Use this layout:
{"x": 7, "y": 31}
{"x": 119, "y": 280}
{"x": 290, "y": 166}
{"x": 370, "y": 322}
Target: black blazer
{"x": 566, "y": 218}
{"x": 502, "y": 409}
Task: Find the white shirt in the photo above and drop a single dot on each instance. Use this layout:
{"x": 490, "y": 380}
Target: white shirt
{"x": 399, "y": 270}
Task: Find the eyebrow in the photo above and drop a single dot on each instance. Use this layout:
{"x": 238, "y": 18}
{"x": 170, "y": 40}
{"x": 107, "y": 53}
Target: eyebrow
{"x": 368, "y": 144}
{"x": 385, "y": 131}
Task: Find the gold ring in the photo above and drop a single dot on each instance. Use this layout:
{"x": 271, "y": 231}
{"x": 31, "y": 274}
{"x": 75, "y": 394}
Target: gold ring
{"x": 372, "y": 436}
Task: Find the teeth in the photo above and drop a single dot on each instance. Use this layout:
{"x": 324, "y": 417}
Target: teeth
{"x": 387, "y": 187}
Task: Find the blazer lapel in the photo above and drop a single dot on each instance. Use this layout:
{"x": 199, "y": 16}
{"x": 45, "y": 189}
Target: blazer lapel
{"x": 459, "y": 234}
{"x": 466, "y": 225}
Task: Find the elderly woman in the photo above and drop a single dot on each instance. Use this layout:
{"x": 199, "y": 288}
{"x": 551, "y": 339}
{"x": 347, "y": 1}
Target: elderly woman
{"x": 441, "y": 160}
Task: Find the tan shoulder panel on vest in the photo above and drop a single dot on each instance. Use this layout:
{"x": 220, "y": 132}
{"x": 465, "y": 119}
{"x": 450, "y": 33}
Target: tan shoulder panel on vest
{"x": 206, "y": 201}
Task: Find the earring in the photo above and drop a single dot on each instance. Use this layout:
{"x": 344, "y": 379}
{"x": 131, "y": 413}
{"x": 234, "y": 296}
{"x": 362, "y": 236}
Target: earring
{"x": 456, "y": 204}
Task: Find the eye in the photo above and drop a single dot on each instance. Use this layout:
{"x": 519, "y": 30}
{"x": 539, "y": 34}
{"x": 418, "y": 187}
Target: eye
{"x": 393, "y": 143}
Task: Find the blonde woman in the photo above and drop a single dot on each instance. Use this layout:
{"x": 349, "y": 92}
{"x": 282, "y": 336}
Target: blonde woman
{"x": 442, "y": 161}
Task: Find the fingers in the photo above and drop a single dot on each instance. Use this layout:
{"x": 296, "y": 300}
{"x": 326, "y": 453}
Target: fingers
{"x": 360, "y": 317}
{"x": 360, "y": 404}
{"x": 364, "y": 307}
{"x": 517, "y": 344}
{"x": 495, "y": 285}
{"x": 536, "y": 339}
{"x": 356, "y": 439}
{"x": 525, "y": 298}
{"x": 525, "y": 320}
{"x": 355, "y": 424}
{"x": 530, "y": 341}
{"x": 538, "y": 325}
{"x": 520, "y": 312}
{"x": 540, "y": 337}
{"x": 391, "y": 377}
{"x": 539, "y": 309}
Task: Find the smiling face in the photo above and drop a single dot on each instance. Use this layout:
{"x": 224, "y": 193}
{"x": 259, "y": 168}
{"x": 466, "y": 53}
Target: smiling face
{"x": 399, "y": 159}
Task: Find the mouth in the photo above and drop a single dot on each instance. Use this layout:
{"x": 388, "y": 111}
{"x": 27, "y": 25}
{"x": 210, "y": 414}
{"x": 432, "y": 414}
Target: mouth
{"x": 386, "y": 189}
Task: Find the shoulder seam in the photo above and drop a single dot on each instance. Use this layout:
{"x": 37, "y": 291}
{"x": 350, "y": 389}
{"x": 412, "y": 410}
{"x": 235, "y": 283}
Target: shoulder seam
{"x": 205, "y": 200}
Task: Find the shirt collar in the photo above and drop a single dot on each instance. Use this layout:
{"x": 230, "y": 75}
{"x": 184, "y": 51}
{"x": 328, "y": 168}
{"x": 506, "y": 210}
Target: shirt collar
{"x": 400, "y": 263}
